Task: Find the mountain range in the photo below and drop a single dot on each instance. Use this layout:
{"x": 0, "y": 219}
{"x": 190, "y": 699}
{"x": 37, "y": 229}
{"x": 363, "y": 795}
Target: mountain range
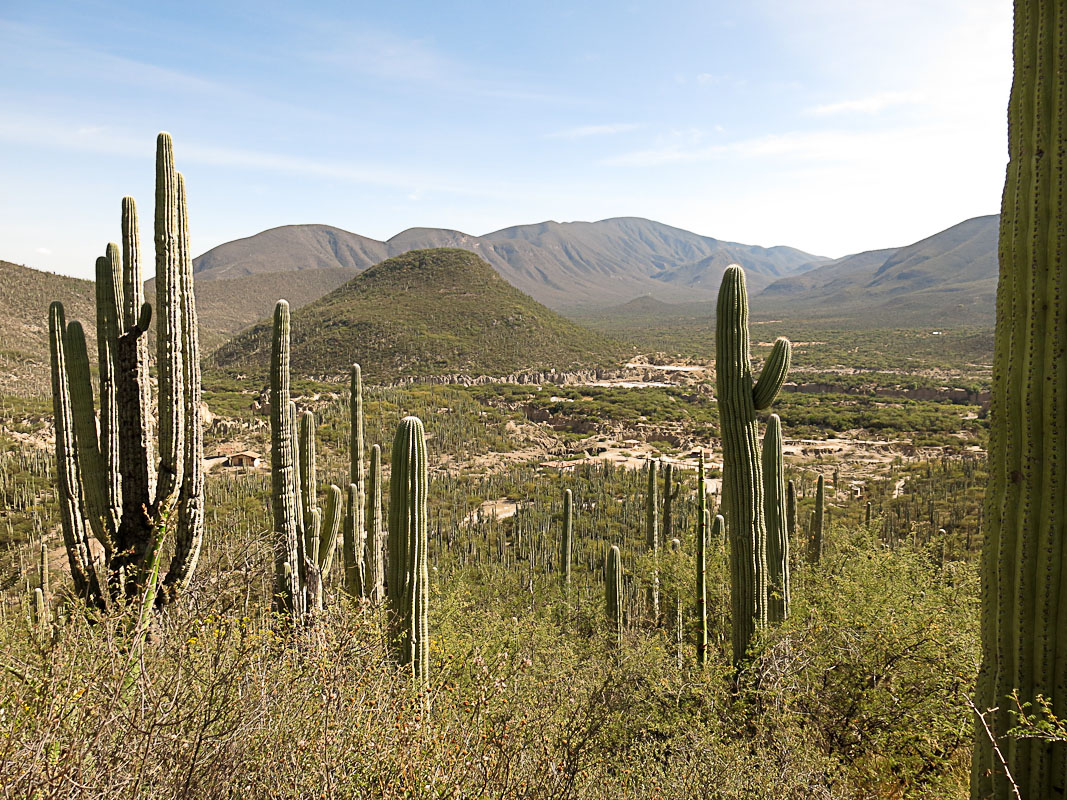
{"x": 558, "y": 264}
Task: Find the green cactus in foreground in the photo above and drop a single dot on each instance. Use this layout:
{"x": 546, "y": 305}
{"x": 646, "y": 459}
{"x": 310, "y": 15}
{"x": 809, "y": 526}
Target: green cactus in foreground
{"x": 613, "y": 591}
{"x": 652, "y": 535}
{"x": 1024, "y": 588}
{"x": 108, "y": 482}
{"x": 815, "y": 543}
{"x": 739, "y": 398}
{"x": 408, "y": 580}
{"x": 791, "y": 520}
{"x": 566, "y": 547}
{"x": 774, "y": 510}
{"x": 679, "y": 627}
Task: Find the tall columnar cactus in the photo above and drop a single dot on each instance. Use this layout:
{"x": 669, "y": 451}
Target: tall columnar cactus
{"x": 679, "y": 635}
{"x": 613, "y": 591}
{"x": 109, "y": 484}
{"x": 670, "y": 492}
{"x": 408, "y": 581}
{"x": 374, "y": 552}
{"x": 285, "y": 480}
{"x": 359, "y": 561}
{"x": 791, "y": 521}
{"x": 817, "y": 517}
{"x": 739, "y": 398}
{"x": 652, "y": 535}
{"x": 566, "y": 546}
{"x": 703, "y": 533}
{"x": 1024, "y": 587}
{"x": 774, "y": 510}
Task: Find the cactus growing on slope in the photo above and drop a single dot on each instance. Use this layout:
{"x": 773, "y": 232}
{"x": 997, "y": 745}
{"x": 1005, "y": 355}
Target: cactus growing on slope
{"x": 566, "y": 545}
{"x": 815, "y": 542}
{"x": 408, "y": 581}
{"x": 652, "y": 535}
{"x": 739, "y": 398}
{"x": 108, "y": 483}
{"x": 613, "y": 591}
{"x": 1024, "y": 588}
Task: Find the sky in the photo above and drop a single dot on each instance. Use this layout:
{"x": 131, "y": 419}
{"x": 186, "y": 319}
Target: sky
{"x": 833, "y": 126}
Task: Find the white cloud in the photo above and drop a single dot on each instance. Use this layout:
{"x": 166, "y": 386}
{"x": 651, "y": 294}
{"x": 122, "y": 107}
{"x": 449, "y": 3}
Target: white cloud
{"x": 584, "y": 131}
{"x": 868, "y": 105}
{"x": 44, "y": 251}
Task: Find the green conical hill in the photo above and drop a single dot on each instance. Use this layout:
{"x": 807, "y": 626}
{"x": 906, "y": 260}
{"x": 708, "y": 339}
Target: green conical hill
{"x": 426, "y": 312}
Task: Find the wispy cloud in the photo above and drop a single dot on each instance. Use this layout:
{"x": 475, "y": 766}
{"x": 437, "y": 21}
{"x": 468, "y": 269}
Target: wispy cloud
{"x": 868, "y": 105}
{"x": 585, "y": 131}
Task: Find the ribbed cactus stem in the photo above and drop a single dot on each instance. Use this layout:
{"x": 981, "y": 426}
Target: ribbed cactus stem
{"x": 652, "y": 535}
{"x": 357, "y": 555}
{"x": 285, "y": 499}
{"x": 408, "y": 581}
{"x": 374, "y": 557}
{"x": 566, "y": 546}
{"x": 791, "y": 521}
{"x": 702, "y": 586}
{"x": 670, "y": 491}
{"x": 109, "y": 318}
{"x": 1024, "y": 585}
{"x": 42, "y": 574}
{"x": 613, "y": 591}
{"x": 331, "y": 526}
{"x": 815, "y": 541}
{"x": 679, "y": 634}
{"x": 867, "y": 515}
{"x": 168, "y": 328}
{"x": 308, "y": 481}
{"x": 739, "y": 397}
{"x": 774, "y": 509}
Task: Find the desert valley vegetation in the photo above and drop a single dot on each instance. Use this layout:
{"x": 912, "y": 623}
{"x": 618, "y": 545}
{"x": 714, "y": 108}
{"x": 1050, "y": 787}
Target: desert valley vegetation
{"x": 593, "y": 510}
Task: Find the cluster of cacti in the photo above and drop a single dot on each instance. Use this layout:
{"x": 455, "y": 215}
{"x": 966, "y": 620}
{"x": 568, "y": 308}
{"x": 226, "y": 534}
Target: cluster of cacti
{"x": 739, "y": 398}
{"x": 407, "y": 584}
{"x": 306, "y": 541}
{"x": 108, "y": 481}
{"x": 1024, "y": 588}
{"x": 652, "y": 534}
{"x": 613, "y": 590}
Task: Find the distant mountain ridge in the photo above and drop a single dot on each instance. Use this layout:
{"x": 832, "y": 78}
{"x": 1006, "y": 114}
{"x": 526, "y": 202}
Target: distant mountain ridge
{"x": 950, "y": 275}
{"x": 558, "y": 264}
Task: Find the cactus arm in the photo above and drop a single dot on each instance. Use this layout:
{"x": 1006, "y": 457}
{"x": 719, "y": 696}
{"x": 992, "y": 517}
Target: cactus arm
{"x": 189, "y": 531}
{"x": 90, "y": 460}
{"x": 109, "y": 319}
{"x": 330, "y": 527}
{"x": 68, "y": 477}
{"x": 773, "y": 374}
{"x": 308, "y": 481}
{"x": 168, "y": 329}
{"x": 375, "y": 542}
{"x": 774, "y": 508}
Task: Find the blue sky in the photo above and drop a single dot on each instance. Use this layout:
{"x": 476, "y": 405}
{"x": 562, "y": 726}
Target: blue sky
{"x": 829, "y": 125}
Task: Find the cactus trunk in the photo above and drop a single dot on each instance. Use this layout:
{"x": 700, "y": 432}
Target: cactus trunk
{"x": 1024, "y": 593}
{"x": 774, "y": 509}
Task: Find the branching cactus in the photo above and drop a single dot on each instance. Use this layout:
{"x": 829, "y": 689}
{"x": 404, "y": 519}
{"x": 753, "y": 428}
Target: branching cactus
{"x": 109, "y": 483}
{"x": 408, "y": 581}
{"x": 774, "y": 509}
{"x": 1024, "y": 585}
{"x": 613, "y": 591}
{"x": 739, "y": 398}
{"x": 652, "y": 535}
{"x": 566, "y": 547}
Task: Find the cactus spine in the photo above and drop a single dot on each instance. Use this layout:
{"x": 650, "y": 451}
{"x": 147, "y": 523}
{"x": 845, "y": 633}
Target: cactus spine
{"x": 408, "y": 582}
{"x": 739, "y": 398}
{"x": 613, "y": 591}
{"x": 774, "y": 510}
{"x": 107, "y": 480}
{"x": 652, "y": 535}
{"x": 1024, "y": 594}
{"x": 566, "y": 548}
{"x": 815, "y": 540}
